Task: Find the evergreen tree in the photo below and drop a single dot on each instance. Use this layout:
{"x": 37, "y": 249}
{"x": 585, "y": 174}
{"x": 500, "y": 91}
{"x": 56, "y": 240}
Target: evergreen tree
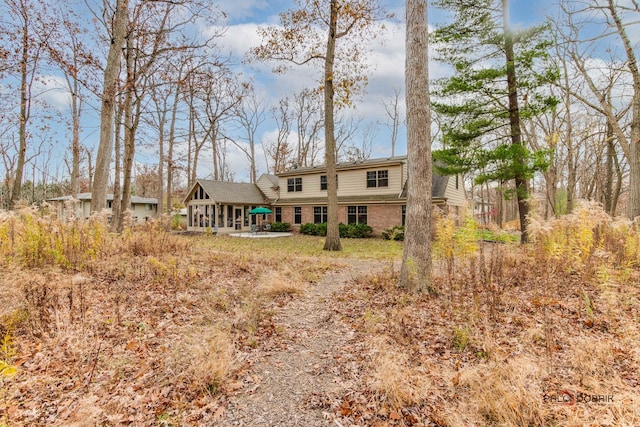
{"x": 498, "y": 81}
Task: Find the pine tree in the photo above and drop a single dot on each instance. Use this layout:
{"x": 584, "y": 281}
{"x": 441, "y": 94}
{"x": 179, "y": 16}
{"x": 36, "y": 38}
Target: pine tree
{"x": 498, "y": 81}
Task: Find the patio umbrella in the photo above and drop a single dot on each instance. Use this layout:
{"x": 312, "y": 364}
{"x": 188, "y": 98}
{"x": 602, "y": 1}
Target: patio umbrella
{"x": 259, "y": 210}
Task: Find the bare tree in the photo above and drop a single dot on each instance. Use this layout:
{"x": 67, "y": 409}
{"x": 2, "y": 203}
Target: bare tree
{"x": 618, "y": 18}
{"x": 118, "y": 32}
{"x": 280, "y": 151}
{"x": 300, "y": 40}
{"x": 415, "y": 272}
{"x": 68, "y": 51}
{"x": 392, "y": 109}
{"x": 250, "y": 114}
{"x": 28, "y": 38}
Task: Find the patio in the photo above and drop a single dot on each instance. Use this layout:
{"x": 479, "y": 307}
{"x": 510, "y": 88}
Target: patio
{"x": 269, "y": 235}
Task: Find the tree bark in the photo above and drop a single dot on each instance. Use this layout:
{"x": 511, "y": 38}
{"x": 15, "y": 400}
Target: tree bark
{"x": 634, "y": 142}
{"x": 25, "y": 105}
{"x": 103, "y": 159}
{"x": 332, "y": 241}
{"x": 415, "y": 272}
{"x": 522, "y": 184}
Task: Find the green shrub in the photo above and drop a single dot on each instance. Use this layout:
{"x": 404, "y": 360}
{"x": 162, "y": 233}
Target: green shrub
{"x": 321, "y": 229}
{"x": 280, "y": 226}
{"x": 395, "y": 233}
{"x": 308, "y": 228}
{"x": 355, "y": 231}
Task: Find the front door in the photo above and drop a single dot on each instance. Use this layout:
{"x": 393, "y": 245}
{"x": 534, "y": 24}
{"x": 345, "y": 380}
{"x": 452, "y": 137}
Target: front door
{"x": 238, "y": 218}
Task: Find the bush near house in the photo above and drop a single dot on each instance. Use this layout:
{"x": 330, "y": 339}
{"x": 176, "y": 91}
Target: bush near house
{"x": 395, "y": 233}
{"x": 280, "y": 226}
{"x": 355, "y": 231}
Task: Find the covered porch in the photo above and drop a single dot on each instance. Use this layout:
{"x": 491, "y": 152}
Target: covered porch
{"x": 223, "y": 207}
{"x": 221, "y": 218}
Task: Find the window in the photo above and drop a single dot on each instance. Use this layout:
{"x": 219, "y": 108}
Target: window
{"x": 457, "y": 183}
{"x": 294, "y": 184}
{"x": 297, "y": 215}
{"x": 109, "y": 204}
{"x": 319, "y": 214}
{"x": 278, "y": 214}
{"x": 378, "y": 178}
{"x": 323, "y": 182}
{"x": 356, "y": 214}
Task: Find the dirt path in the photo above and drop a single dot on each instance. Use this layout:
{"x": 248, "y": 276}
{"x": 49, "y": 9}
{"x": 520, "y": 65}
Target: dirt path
{"x": 291, "y": 384}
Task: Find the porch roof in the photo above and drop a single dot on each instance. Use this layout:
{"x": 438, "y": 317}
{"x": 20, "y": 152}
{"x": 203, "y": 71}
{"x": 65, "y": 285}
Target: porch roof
{"x": 239, "y": 193}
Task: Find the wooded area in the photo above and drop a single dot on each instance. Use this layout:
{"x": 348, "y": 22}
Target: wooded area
{"x": 166, "y": 89}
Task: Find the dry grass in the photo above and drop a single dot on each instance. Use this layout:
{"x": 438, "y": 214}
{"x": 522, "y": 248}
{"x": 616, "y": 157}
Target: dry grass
{"x": 281, "y": 282}
{"x": 502, "y": 393}
{"x": 394, "y": 377}
{"x": 141, "y": 328}
{"x": 518, "y": 336}
{"x": 204, "y": 359}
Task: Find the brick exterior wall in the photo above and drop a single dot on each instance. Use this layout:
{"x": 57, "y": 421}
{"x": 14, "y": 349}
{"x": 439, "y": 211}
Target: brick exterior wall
{"x": 380, "y": 217}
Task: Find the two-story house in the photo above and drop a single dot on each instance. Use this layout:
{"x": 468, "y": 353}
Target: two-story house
{"x": 370, "y": 191}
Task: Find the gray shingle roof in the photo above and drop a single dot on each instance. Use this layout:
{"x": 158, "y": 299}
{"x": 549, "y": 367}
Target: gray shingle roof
{"x": 272, "y": 178}
{"x": 231, "y": 192}
{"x": 438, "y": 186}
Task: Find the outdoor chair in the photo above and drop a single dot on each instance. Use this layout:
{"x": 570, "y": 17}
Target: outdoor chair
{"x": 254, "y": 229}
{"x": 267, "y": 227}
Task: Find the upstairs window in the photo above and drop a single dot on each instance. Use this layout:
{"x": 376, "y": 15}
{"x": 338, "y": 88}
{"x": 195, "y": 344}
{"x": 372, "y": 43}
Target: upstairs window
{"x": 294, "y": 185}
{"x": 323, "y": 182}
{"x": 378, "y": 178}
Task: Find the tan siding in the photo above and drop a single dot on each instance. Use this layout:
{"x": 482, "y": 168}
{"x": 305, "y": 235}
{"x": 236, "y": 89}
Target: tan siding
{"x": 455, "y": 197}
{"x": 265, "y": 185}
{"x": 350, "y": 183}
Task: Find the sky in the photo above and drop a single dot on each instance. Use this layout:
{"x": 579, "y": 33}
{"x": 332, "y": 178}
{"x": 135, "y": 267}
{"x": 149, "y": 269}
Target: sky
{"x": 386, "y": 75}
{"x": 386, "y": 72}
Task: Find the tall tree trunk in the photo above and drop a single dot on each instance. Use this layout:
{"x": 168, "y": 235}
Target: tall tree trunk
{"x": 75, "y": 141}
{"x": 332, "y": 241}
{"x": 116, "y": 205}
{"x": 172, "y": 135}
{"x": 25, "y": 109}
{"x": 522, "y": 184}
{"x": 608, "y": 176}
{"x": 571, "y": 163}
{"x": 130, "y": 125}
{"x": 103, "y": 159}
{"x": 634, "y": 142}
{"x": 415, "y": 272}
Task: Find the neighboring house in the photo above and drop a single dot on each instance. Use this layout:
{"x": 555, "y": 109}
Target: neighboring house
{"x": 222, "y": 206}
{"x": 142, "y": 208}
{"x": 370, "y": 191}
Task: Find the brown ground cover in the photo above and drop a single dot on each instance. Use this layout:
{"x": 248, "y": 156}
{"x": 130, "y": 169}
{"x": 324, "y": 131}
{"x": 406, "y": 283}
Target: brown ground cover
{"x": 150, "y": 328}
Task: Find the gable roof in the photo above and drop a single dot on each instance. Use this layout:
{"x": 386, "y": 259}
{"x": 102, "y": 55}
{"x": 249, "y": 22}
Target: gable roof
{"x": 273, "y": 179}
{"x": 229, "y": 192}
{"x": 87, "y": 197}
